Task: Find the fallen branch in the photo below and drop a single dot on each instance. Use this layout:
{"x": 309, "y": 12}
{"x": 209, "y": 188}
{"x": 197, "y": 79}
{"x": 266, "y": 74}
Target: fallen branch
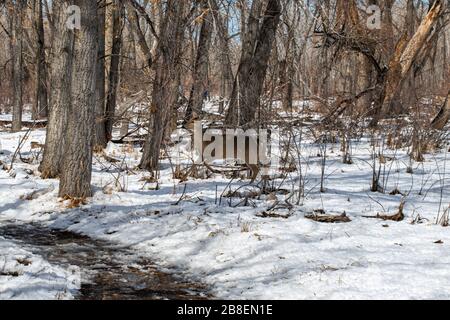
{"x": 399, "y": 216}
{"x": 327, "y": 218}
{"x": 266, "y": 214}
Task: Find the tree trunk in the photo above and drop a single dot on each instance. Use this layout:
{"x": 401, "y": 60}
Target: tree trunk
{"x": 257, "y": 47}
{"x": 60, "y": 99}
{"x": 41, "y": 103}
{"x": 409, "y": 96}
{"x": 17, "y": 60}
{"x": 77, "y": 164}
{"x": 404, "y": 57}
{"x": 100, "y": 132}
{"x": 388, "y": 30}
{"x": 109, "y": 52}
{"x": 226, "y": 85}
{"x": 114, "y": 72}
{"x": 165, "y": 86}
{"x": 200, "y": 76}
{"x": 142, "y": 41}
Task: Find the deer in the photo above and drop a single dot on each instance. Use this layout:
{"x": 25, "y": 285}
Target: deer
{"x": 218, "y": 143}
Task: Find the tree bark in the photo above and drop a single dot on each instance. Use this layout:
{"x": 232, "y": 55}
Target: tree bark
{"x": 165, "y": 87}
{"x": 100, "y": 132}
{"x": 409, "y": 96}
{"x": 404, "y": 57}
{"x": 226, "y": 85}
{"x": 200, "y": 74}
{"x": 388, "y": 30}
{"x": 60, "y": 98}
{"x": 41, "y": 103}
{"x": 114, "y": 69}
{"x": 257, "y": 47}
{"x": 142, "y": 41}
{"x": 17, "y": 60}
{"x": 77, "y": 164}
{"x": 108, "y": 73}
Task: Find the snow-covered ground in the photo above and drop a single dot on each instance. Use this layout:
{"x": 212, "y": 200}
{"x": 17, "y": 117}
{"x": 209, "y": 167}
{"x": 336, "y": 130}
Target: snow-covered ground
{"x": 24, "y": 275}
{"x": 243, "y": 255}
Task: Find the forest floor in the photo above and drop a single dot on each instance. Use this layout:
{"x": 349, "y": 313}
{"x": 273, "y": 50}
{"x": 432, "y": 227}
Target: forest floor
{"x": 242, "y": 244}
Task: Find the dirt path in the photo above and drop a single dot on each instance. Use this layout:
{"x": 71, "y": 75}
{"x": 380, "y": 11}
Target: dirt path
{"x": 108, "y": 271}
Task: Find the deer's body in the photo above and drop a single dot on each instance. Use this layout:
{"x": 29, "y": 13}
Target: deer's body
{"x": 241, "y": 148}
{"x": 222, "y": 144}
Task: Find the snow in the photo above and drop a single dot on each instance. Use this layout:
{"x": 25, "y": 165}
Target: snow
{"x": 242, "y": 255}
{"x": 25, "y": 276}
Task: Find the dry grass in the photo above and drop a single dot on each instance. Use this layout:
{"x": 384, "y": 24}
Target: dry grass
{"x": 246, "y": 227}
{"x": 444, "y": 219}
{"x": 73, "y": 203}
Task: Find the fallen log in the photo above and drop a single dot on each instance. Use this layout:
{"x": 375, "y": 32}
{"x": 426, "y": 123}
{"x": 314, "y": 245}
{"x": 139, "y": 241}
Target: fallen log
{"x": 274, "y": 215}
{"x": 327, "y": 218}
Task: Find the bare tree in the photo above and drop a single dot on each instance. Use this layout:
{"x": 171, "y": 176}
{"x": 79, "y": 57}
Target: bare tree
{"x": 17, "y": 32}
{"x": 77, "y": 164}
{"x": 60, "y": 88}
{"x": 101, "y": 140}
{"x": 40, "y": 109}
{"x": 200, "y": 74}
{"x": 405, "y": 55}
{"x": 114, "y": 68}
{"x": 226, "y": 71}
{"x": 107, "y": 101}
{"x": 257, "y": 44}
{"x": 166, "y": 68}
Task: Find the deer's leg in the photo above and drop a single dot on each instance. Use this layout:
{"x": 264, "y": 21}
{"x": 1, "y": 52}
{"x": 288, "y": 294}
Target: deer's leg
{"x": 254, "y": 169}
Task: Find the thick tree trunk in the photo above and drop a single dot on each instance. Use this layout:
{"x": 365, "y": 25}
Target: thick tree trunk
{"x": 409, "y": 97}
{"x": 41, "y": 103}
{"x": 165, "y": 86}
{"x": 60, "y": 99}
{"x": 404, "y": 57}
{"x": 398, "y": 74}
{"x": 388, "y": 30}
{"x": 257, "y": 47}
{"x": 200, "y": 74}
{"x": 249, "y": 36}
{"x": 77, "y": 164}
{"x": 17, "y": 60}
